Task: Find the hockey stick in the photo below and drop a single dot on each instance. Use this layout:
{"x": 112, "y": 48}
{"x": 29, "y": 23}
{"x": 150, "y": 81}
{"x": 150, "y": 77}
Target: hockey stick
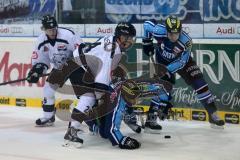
{"x": 19, "y": 80}
{"x": 154, "y": 63}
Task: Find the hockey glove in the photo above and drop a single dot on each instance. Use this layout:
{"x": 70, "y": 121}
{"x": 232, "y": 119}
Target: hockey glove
{"x": 148, "y": 47}
{"x": 36, "y": 71}
{"x": 129, "y": 143}
{"x": 169, "y": 77}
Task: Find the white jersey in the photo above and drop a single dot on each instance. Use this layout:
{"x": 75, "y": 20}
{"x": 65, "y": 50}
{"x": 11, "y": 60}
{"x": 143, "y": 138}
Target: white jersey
{"x": 101, "y": 60}
{"x": 55, "y": 52}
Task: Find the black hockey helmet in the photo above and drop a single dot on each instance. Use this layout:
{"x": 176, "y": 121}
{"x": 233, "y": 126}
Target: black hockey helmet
{"x": 125, "y": 28}
{"x": 49, "y": 22}
{"x": 173, "y": 24}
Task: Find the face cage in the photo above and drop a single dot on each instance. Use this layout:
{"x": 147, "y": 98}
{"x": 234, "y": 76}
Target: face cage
{"x": 173, "y": 35}
{"x": 126, "y": 42}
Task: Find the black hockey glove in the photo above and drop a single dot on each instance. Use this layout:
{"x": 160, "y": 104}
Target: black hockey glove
{"x": 129, "y": 143}
{"x": 35, "y": 73}
{"x": 164, "y": 110}
{"x": 148, "y": 47}
{"x": 169, "y": 77}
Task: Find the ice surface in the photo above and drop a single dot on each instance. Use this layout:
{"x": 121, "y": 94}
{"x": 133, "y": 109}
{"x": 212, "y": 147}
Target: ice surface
{"x": 21, "y": 140}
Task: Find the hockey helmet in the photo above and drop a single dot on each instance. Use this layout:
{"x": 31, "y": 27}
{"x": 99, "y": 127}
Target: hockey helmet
{"x": 173, "y": 24}
{"x": 49, "y": 22}
{"x": 125, "y": 28}
{"x": 126, "y": 34}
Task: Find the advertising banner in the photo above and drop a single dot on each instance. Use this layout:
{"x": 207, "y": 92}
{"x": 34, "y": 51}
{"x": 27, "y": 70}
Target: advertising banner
{"x": 16, "y": 30}
{"x": 122, "y": 7}
{"x": 220, "y": 64}
{"x": 25, "y": 11}
{"x": 15, "y": 63}
{"x": 85, "y": 30}
{"x": 100, "y": 30}
{"x": 190, "y": 11}
{"x": 34, "y": 30}
{"x": 221, "y": 30}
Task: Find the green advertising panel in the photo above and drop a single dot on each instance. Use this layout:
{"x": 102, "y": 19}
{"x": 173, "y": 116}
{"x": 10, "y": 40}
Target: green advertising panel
{"x": 220, "y": 64}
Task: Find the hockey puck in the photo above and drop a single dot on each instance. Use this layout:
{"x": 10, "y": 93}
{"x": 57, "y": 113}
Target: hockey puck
{"x": 167, "y": 136}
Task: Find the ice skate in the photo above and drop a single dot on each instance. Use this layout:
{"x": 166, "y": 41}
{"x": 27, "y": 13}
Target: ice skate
{"x": 131, "y": 122}
{"x": 94, "y": 130}
{"x": 45, "y": 122}
{"x": 71, "y": 138}
{"x": 134, "y": 126}
{"x": 215, "y": 121}
{"x": 151, "y": 125}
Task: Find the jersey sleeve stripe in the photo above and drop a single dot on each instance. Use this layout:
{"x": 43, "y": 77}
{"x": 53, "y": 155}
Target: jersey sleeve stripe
{"x": 189, "y": 38}
{"x": 68, "y": 30}
{"x": 181, "y": 44}
{"x": 149, "y": 22}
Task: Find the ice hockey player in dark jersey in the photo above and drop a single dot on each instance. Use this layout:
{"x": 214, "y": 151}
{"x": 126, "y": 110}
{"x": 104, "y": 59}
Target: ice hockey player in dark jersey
{"x": 174, "y": 51}
{"x": 53, "y": 47}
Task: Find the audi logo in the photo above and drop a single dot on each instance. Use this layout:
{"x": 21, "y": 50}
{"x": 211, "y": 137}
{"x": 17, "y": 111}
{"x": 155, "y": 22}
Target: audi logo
{"x": 238, "y": 29}
{"x": 16, "y": 30}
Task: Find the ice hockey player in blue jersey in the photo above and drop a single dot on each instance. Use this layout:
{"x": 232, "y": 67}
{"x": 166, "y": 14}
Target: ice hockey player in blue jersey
{"x": 127, "y": 94}
{"x": 105, "y": 118}
{"x": 174, "y": 51}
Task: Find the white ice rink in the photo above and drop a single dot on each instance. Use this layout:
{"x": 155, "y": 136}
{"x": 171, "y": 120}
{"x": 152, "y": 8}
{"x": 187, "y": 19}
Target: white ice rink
{"x": 21, "y": 140}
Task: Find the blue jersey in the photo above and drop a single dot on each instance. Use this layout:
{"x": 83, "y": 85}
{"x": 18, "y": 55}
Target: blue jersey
{"x": 112, "y": 121}
{"x": 173, "y": 55}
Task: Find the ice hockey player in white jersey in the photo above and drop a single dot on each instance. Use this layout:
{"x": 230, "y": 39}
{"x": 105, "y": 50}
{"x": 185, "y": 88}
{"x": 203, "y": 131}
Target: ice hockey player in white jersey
{"x": 53, "y": 48}
{"x": 100, "y": 61}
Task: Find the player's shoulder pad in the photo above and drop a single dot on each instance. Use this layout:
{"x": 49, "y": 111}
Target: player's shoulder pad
{"x": 66, "y": 34}
{"x": 41, "y": 40}
{"x": 108, "y": 39}
{"x": 185, "y": 39}
{"x": 156, "y": 29}
{"x": 107, "y": 43}
{"x": 41, "y": 37}
{"x": 66, "y": 31}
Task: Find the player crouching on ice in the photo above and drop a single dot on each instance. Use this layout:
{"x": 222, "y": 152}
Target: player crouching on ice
{"x": 107, "y": 115}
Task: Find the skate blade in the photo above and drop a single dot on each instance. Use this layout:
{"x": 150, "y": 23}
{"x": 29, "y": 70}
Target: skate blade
{"x": 45, "y": 125}
{"x": 214, "y": 126}
{"x": 135, "y": 128}
{"x": 152, "y": 131}
{"x": 68, "y": 143}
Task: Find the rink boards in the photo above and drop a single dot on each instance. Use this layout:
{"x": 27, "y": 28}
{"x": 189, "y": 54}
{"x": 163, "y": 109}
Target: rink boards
{"x": 223, "y": 75}
{"x": 176, "y": 114}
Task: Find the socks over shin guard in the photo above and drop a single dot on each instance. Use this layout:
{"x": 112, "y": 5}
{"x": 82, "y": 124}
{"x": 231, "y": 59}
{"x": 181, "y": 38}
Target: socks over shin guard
{"x": 48, "y": 108}
{"x": 210, "y": 108}
{"x": 205, "y": 96}
{"x": 78, "y": 115}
